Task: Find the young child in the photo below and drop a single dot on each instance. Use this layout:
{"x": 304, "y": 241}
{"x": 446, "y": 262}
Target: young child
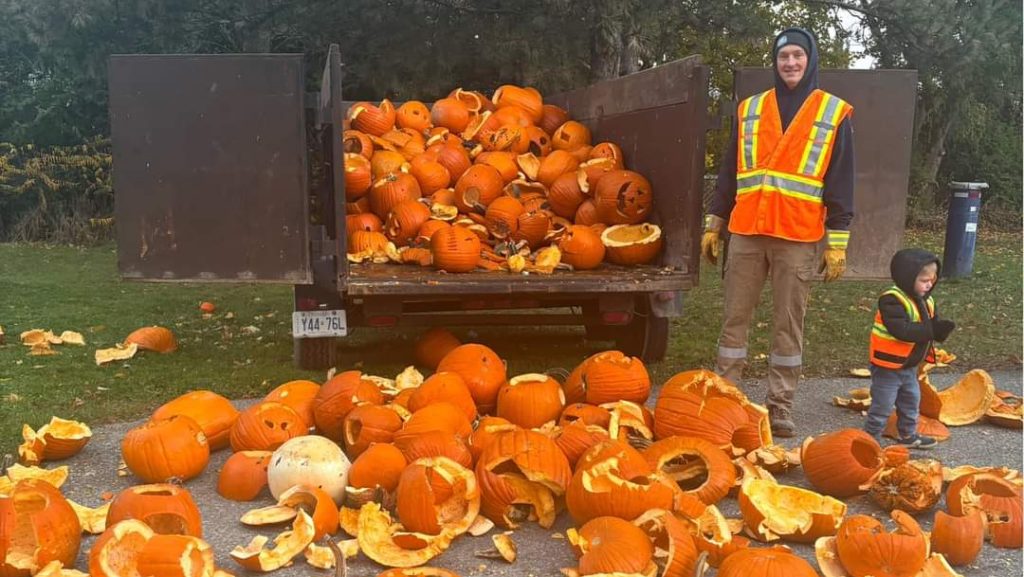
{"x": 906, "y": 323}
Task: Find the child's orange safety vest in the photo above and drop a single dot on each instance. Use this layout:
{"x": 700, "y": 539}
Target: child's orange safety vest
{"x": 886, "y": 350}
{"x": 780, "y": 175}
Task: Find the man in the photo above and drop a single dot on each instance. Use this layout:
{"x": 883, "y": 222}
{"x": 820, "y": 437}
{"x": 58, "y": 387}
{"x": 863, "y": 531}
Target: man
{"x": 785, "y": 183}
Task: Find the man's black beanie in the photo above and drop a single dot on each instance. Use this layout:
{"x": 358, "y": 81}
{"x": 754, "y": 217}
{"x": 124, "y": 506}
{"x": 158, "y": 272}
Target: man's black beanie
{"x": 792, "y": 37}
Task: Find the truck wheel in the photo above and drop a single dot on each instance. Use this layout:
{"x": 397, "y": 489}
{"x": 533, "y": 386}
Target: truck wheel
{"x": 645, "y": 337}
{"x": 315, "y": 354}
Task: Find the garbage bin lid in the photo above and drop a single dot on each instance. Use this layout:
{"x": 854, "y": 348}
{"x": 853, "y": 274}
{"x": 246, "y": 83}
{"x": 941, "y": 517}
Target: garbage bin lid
{"x": 968, "y": 185}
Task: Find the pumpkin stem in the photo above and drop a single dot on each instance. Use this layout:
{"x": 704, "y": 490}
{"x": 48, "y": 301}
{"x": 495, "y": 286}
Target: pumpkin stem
{"x": 702, "y": 566}
{"x": 5, "y": 462}
{"x": 340, "y": 565}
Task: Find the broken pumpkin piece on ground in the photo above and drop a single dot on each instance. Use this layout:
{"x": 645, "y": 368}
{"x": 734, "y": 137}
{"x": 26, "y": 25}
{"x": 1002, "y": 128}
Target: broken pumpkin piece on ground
{"x": 1006, "y": 410}
{"x": 772, "y": 512}
{"x": 967, "y": 401}
{"x": 56, "y": 476}
{"x": 504, "y": 548}
{"x": 674, "y": 547}
{"x": 532, "y": 474}
{"x": 436, "y": 494}
{"x": 324, "y": 557}
{"x": 57, "y": 569}
{"x": 377, "y": 540}
{"x": 118, "y": 352}
{"x": 859, "y": 399}
{"x": 155, "y": 338}
{"x": 914, "y": 486}
{"x": 286, "y": 546}
{"x": 314, "y": 501}
{"x": 92, "y": 519}
{"x": 58, "y": 439}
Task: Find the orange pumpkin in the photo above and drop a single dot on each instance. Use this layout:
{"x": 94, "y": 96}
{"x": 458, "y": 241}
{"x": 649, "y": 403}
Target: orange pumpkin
{"x": 166, "y": 509}
{"x": 381, "y": 464}
{"x": 413, "y": 114}
{"x": 213, "y": 413}
{"x": 175, "y": 556}
{"x": 607, "y": 377}
{"x": 299, "y": 395}
{"x": 455, "y": 249}
{"x": 554, "y": 165}
{"x": 163, "y": 449}
{"x": 433, "y": 345}
{"x": 243, "y": 475}
{"x": 444, "y": 386}
{"x": 37, "y": 526}
{"x": 608, "y": 150}
{"x": 623, "y": 197}
{"x": 613, "y": 479}
{"x": 841, "y": 462}
{"x": 368, "y": 424}
{"x": 404, "y": 221}
{"x": 425, "y": 233}
{"x": 591, "y": 171}
{"x": 866, "y": 548}
{"x": 450, "y": 113}
{"x": 570, "y": 136}
{"x": 266, "y": 426}
{"x": 585, "y": 413}
{"x": 480, "y": 185}
{"x": 565, "y": 195}
{"x": 390, "y": 191}
{"x": 610, "y": 545}
{"x": 116, "y": 552}
{"x": 340, "y": 395}
{"x": 356, "y": 142}
{"x": 373, "y": 120}
{"x": 959, "y": 539}
{"x": 704, "y": 470}
{"x": 386, "y": 161}
{"x": 552, "y": 117}
{"x": 537, "y": 141}
{"x": 586, "y": 213}
{"x": 429, "y": 173}
{"x": 156, "y": 339}
{"x": 504, "y": 162}
{"x": 366, "y": 241}
{"x": 503, "y": 216}
{"x": 766, "y": 562}
{"x": 581, "y": 247}
{"x": 435, "y": 494}
{"x": 530, "y": 400}
{"x": 453, "y": 157}
{"x": 528, "y": 100}
{"x": 476, "y": 103}
{"x": 358, "y": 176}
{"x": 368, "y": 222}
{"x": 998, "y": 498}
{"x": 482, "y": 370}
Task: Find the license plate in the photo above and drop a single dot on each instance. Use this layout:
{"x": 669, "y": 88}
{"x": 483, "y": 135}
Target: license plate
{"x": 309, "y": 324}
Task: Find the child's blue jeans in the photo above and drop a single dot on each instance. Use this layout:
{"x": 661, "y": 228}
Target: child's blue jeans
{"x": 893, "y": 388}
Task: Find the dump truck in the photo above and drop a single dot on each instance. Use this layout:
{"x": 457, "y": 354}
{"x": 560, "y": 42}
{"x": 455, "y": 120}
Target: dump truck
{"x": 226, "y": 169}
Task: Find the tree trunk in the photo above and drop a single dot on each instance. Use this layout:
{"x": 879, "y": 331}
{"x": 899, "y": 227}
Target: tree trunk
{"x": 605, "y": 51}
{"x": 933, "y": 158}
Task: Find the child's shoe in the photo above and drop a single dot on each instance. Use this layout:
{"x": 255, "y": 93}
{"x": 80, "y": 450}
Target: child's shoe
{"x": 916, "y": 441}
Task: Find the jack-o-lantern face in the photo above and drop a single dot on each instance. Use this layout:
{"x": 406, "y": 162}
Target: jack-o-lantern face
{"x": 623, "y": 197}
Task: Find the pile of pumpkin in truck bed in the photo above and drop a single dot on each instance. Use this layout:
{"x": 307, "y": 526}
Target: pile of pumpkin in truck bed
{"x": 407, "y": 465}
{"x": 503, "y": 184}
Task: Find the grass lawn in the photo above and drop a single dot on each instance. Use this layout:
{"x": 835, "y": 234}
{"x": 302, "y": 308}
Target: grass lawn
{"x": 65, "y": 288}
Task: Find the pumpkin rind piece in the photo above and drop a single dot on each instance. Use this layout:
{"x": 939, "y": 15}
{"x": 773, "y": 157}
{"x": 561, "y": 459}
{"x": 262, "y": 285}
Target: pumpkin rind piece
{"x": 915, "y": 486}
{"x": 423, "y": 509}
{"x": 176, "y": 556}
{"x": 115, "y": 553}
{"x": 287, "y": 546}
{"x": 959, "y": 539}
{"x": 376, "y": 539}
{"x": 967, "y": 400}
{"x": 684, "y": 459}
{"x": 772, "y": 511}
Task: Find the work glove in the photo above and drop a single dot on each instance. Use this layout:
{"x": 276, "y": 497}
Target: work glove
{"x": 710, "y": 241}
{"x": 833, "y": 263}
{"x": 942, "y": 328}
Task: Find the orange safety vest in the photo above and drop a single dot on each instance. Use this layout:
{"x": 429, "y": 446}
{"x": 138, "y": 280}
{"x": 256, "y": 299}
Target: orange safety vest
{"x": 886, "y": 350}
{"x": 780, "y": 175}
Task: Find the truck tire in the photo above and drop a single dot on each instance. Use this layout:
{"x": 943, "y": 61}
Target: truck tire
{"x": 646, "y": 336}
{"x": 315, "y": 354}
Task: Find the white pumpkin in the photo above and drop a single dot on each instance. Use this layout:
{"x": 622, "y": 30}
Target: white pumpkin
{"x": 309, "y": 460}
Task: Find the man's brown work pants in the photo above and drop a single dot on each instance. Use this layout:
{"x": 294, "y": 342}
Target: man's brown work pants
{"x": 790, "y": 265}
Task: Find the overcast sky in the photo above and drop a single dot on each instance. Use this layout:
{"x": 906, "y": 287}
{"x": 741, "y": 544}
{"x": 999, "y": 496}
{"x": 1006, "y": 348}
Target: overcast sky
{"x": 851, "y": 22}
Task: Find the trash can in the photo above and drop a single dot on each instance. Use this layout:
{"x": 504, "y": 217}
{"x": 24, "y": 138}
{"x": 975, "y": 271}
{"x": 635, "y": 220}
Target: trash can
{"x": 961, "y": 228}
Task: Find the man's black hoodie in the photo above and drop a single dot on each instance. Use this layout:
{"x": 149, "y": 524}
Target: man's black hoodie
{"x": 839, "y": 178}
{"x": 904, "y": 268}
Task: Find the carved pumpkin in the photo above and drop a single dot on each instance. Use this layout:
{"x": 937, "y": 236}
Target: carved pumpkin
{"x": 614, "y": 479}
{"x": 866, "y": 548}
{"x": 243, "y": 475}
{"x": 437, "y": 494}
{"x": 265, "y": 426}
{"x": 166, "y": 509}
{"x": 609, "y": 150}
{"x": 507, "y": 138}
{"x": 997, "y": 498}
{"x": 358, "y": 176}
{"x": 480, "y": 185}
{"x": 213, "y": 413}
{"x": 380, "y": 465}
{"x": 340, "y": 395}
{"x": 368, "y": 222}
{"x": 702, "y": 404}
{"x": 552, "y": 117}
{"x": 570, "y": 136}
{"x": 373, "y": 120}
{"x": 163, "y": 449}
{"x": 671, "y": 537}
{"x": 631, "y": 244}
{"x": 576, "y": 438}
{"x": 37, "y": 526}
{"x": 385, "y": 161}
{"x": 591, "y": 171}
{"x": 391, "y": 190}
{"x": 840, "y": 463}
{"x": 116, "y": 552}
{"x": 915, "y": 486}
{"x": 368, "y": 424}
{"x": 450, "y": 113}
{"x": 299, "y": 395}
{"x": 537, "y": 140}
{"x": 521, "y": 472}
{"x": 586, "y": 413}
{"x": 530, "y": 400}
{"x": 474, "y": 101}
{"x": 309, "y": 460}
{"x": 356, "y": 142}
{"x": 623, "y": 197}
{"x": 404, "y": 221}
{"x": 413, "y": 114}
{"x": 697, "y": 466}
{"x": 455, "y": 249}
{"x": 156, "y": 339}
{"x": 581, "y": 247}
{"x": 958, "y": 538}
{"x": 482, "y": 370}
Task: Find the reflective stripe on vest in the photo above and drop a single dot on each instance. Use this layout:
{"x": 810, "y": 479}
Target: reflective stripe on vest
{"x": 886, "y": 350}
{"x": 779, "y": 174}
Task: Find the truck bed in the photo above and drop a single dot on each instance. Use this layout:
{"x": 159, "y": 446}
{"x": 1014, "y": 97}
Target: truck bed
{"x": 394, "y": 279}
